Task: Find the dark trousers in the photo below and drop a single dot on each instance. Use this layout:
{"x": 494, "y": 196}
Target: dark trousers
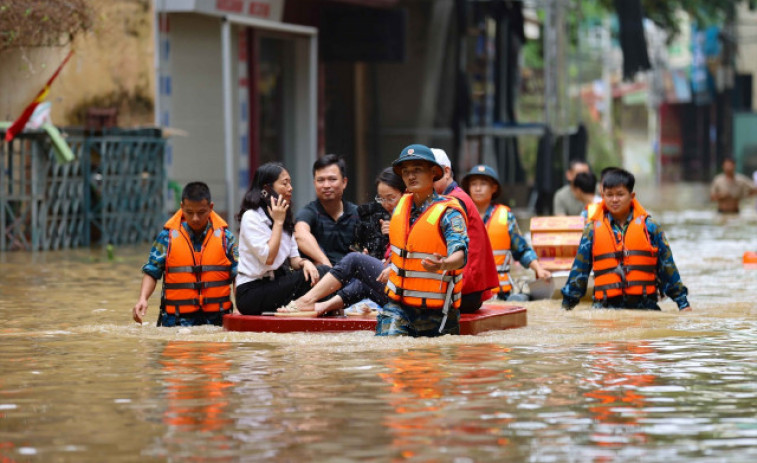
{"x": 470, "y": 302}
{"x": 193, "y": 319}
{"x": 357, "y": 272}
{"x": 266, "y": 295}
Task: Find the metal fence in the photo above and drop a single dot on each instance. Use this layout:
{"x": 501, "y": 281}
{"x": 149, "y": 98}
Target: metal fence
{"x": 113, "y": 192}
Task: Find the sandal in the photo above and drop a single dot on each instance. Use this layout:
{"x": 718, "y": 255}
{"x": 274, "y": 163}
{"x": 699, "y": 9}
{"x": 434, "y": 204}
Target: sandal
{"x": 289, "y": 308}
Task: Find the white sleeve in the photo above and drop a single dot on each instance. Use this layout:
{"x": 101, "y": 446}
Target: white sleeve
{"x": 293, "y": 251}
{"x": 255, "y": 233}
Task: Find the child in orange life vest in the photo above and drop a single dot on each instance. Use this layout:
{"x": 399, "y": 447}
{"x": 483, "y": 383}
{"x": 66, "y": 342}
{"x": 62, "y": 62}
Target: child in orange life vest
{"x": 482, "y": 184}
{"x": 196, "y": 255}
{"x": 628, "y": 252}
{"x": 429, "y": 244}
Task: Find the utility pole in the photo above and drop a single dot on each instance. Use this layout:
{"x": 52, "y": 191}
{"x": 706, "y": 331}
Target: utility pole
{"x": 726, "y": 78}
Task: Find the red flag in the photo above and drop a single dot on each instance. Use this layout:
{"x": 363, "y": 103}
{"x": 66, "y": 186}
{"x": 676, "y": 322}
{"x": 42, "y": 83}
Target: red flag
{"x": 20, "y": 123}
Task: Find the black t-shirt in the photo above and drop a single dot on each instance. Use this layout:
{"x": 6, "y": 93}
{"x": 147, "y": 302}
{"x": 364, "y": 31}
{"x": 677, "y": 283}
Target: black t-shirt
{"x": 334, "y": 236}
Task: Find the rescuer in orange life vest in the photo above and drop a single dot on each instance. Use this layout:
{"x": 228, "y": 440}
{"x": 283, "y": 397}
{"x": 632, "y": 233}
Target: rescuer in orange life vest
{"x": 429, "y": 246}
{"x": 480, "y": 273}
{"x": 628, "y": 252}
{"x": 196, "y": 255}
{"x": 482, "y": 184}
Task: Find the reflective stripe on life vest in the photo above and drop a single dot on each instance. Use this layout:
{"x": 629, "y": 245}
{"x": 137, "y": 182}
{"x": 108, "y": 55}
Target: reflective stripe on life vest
{"x": 193, "y": 280}
{"x": 499, "y": 235}
{"x": 626, "y": 266}
{"x": 591, "y": 209}
{"x": 409, "y": 282}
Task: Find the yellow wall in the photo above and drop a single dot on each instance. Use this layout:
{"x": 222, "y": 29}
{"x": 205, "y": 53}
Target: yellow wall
{"x": 114, "y": 58}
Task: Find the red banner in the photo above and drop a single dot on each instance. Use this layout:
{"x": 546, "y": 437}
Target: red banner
{"x": 20, "y": 123}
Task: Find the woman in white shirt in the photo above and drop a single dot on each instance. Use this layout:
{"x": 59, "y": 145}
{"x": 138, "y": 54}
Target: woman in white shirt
{"x": 271, "y": 272}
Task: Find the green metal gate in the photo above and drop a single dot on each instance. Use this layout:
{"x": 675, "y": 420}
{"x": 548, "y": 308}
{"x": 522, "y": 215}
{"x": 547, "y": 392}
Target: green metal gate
{"x": 113, "y": 192}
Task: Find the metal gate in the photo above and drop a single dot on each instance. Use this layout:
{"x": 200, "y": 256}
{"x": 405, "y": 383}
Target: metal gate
{"x": 113, "y": 192}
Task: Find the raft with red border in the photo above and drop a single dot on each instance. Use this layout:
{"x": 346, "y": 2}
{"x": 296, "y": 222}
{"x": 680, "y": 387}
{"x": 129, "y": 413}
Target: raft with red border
{"x": 490, "y": 317}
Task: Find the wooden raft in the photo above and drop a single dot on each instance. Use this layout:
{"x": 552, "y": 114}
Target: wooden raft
{"x": 490, "y": 317}
{"x": 555, "y": 240}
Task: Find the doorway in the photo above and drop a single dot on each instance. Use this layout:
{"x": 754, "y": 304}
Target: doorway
{"x": 282, "y": 106}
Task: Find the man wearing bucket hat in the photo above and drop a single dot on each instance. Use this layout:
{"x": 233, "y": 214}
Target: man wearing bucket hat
{"x": 429, "y": 246}
{"x": 482, "y": 184}
{"x": 480, "y": 274}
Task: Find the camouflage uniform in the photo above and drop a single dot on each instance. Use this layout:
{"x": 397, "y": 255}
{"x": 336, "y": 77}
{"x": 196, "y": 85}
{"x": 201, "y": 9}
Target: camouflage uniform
{"x": 400, "y": 320}
{"x": 668, "y": 279}
{"x": 156, "y": 265}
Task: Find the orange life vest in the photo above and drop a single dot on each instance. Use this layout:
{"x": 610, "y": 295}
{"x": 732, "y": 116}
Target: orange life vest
{"x": 627, "y": 265}
{"x": 409, "y": 283}
{"x": 196, "y": 280}
{"x": 499, "y": 235}
{"x": 480, "y": 274}
{"x": 591, "y": 209}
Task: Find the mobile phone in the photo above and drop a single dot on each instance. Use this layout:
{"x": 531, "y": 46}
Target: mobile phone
{"x": 269, "y": 192}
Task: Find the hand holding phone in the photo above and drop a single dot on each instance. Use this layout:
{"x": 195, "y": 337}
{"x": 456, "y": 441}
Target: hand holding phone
{"x": 278, "y": 206}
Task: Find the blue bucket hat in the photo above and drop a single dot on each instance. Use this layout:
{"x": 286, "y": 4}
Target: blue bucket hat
{"x": 484, "y": 171}
{"x": 416, "y": 153}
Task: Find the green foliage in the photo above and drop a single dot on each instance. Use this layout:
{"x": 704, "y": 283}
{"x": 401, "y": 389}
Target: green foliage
{"x": 663, "y": 13}
{"x": 603, "y": 151}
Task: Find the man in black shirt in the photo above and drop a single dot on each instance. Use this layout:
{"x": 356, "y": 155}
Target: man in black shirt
{"x": 325, "y": 228}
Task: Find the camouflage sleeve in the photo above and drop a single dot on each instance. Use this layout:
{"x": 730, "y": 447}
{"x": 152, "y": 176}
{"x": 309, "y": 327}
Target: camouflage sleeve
{"x": 156, "y": 262}
{"x": 522, "y": 251}
{"x": 667, "y": 271}
{"x": 578, "y": 279}
{"x": 232, "y": 252}
{"x": 455, "y": 232}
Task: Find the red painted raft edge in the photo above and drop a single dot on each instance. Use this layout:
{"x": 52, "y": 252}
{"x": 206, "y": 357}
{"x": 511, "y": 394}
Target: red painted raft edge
{"x": 490, "y": 317}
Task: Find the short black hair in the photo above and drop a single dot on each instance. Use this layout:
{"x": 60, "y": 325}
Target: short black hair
{"x": 328, "y": 160}
{"x": 586, "y": 182}
{"x": 196, "y": 191}
{"x": 606, "y": 170}
{"x": 618, "y": 177}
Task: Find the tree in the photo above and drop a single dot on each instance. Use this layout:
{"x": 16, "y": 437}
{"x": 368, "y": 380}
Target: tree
{"x": 42, "y": 23}
{"x": 663, "y": 13}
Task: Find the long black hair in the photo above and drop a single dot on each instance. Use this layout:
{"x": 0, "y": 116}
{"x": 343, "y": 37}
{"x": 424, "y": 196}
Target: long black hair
{"x": 263, "y": 180}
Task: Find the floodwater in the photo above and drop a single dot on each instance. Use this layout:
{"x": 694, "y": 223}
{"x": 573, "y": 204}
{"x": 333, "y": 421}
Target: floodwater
{"x": 79, "y": 381}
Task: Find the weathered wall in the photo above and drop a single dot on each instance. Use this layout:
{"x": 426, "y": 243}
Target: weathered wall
{"x": 112, "y": 65}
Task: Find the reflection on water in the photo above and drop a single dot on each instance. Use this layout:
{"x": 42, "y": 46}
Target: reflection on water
{"x": 79, "y": 381}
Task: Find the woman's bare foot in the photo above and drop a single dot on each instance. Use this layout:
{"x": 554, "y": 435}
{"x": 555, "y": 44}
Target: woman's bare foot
{"x": 335, "y": 303}
{"x": 298, "y": 305}
{"x": 289, "y": 308}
